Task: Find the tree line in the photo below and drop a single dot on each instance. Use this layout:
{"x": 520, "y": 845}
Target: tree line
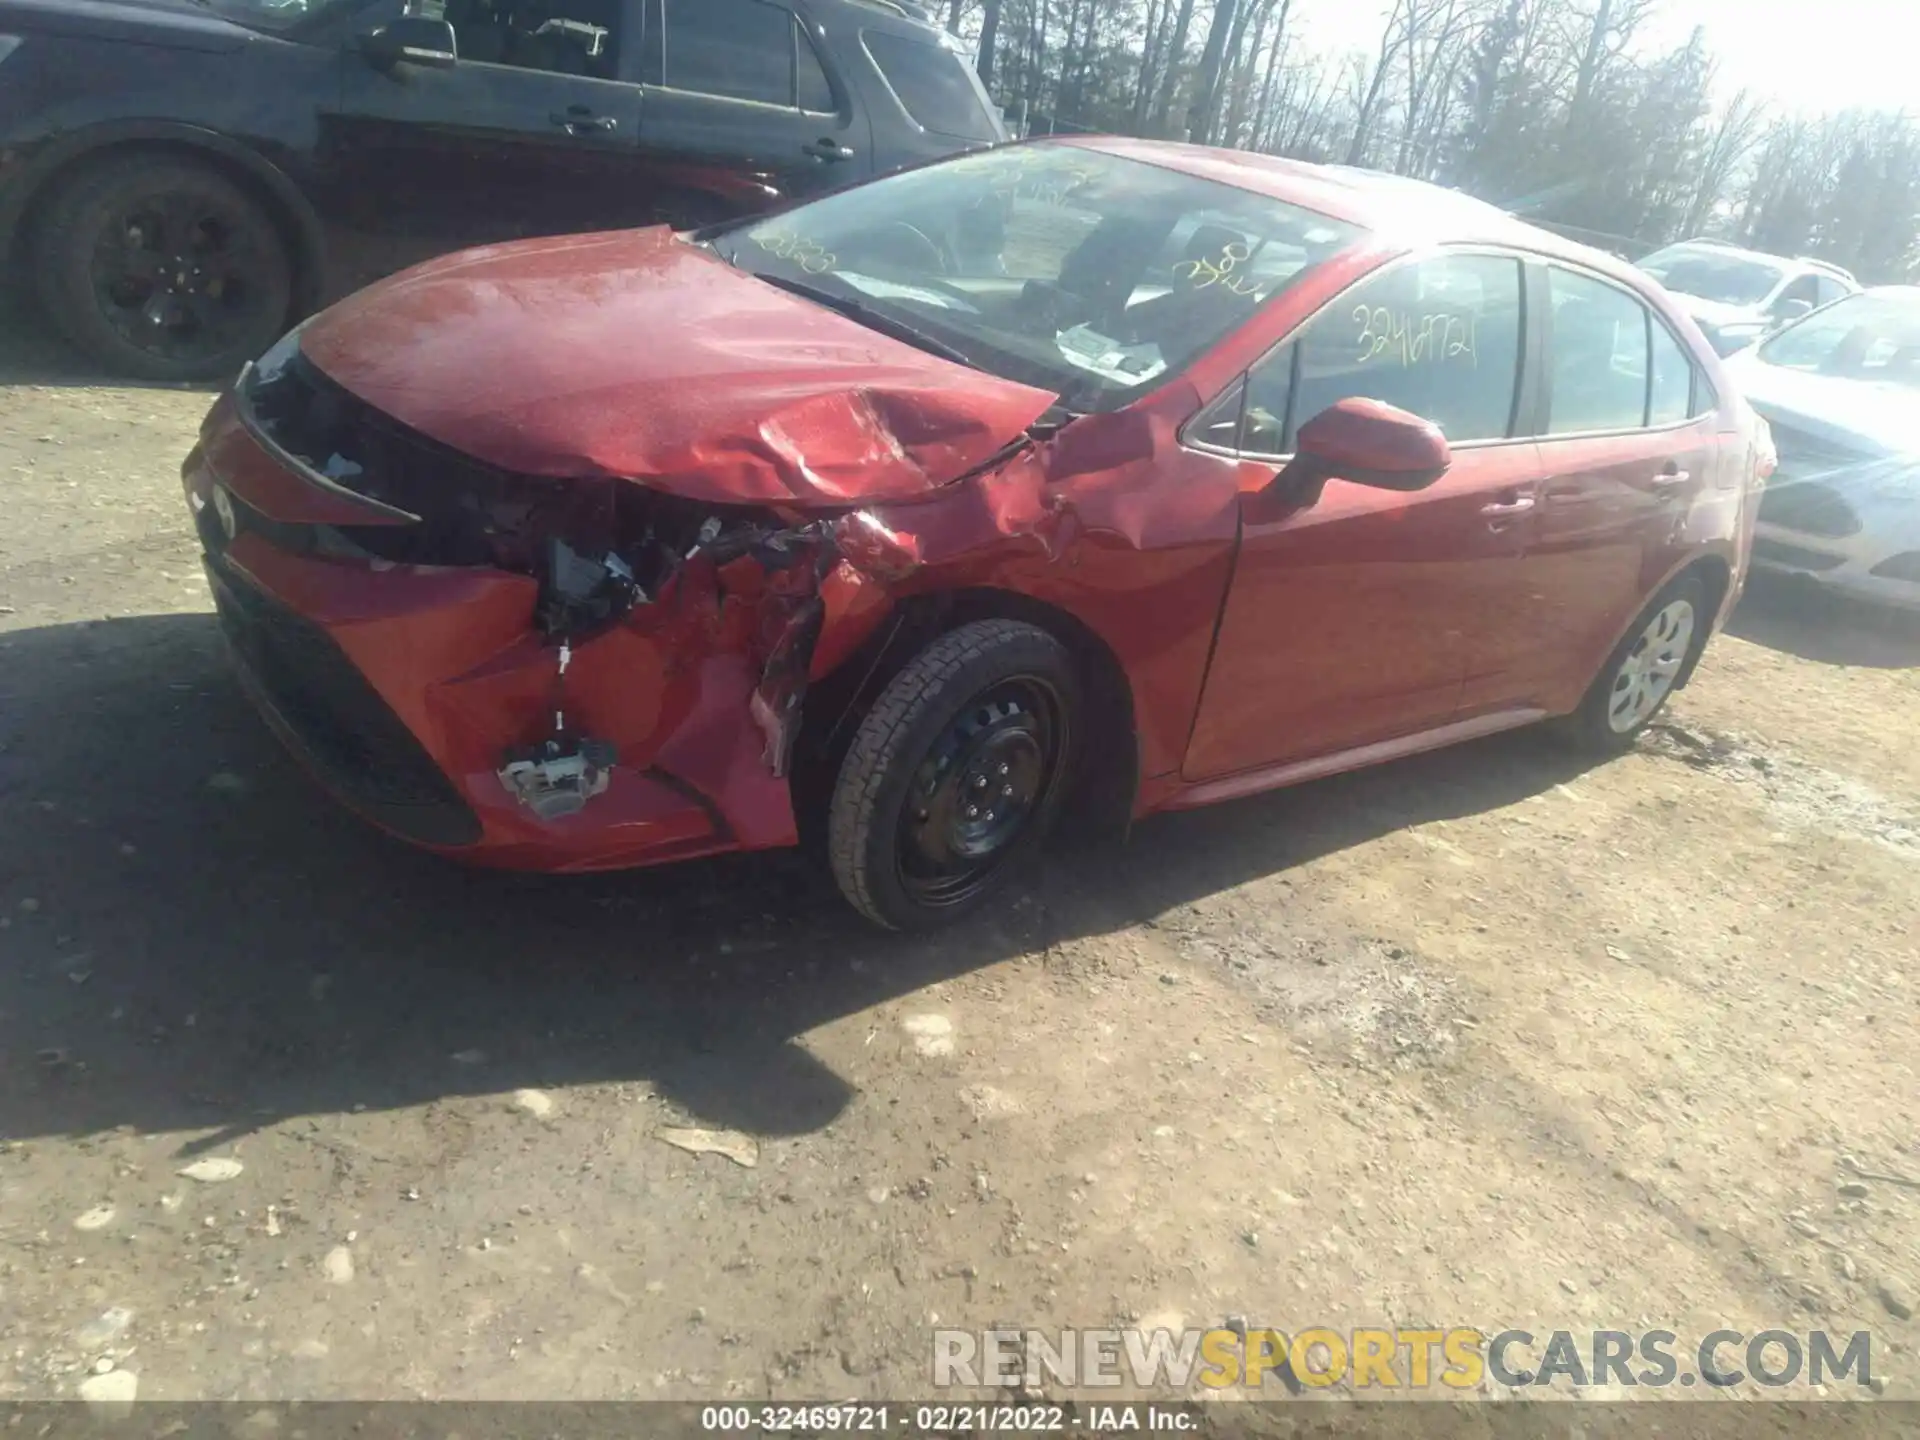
{"x": 1556, "y": 109}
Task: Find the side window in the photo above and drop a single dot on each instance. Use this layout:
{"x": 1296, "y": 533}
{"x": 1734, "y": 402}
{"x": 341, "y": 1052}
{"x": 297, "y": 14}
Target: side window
{"x": 1806, "y": 287}
{"x": 812, "y": 90}
{"x": 933, "y": 85}
{"x": 1829, "y": 289}
{"x": 737, "y": 49}
{"x": 1219, "y": 424}
{"x": 1599, "y": 347}
{"x": 1672, "y": 384}
{"x": 568, "y": 37}
{"x": 1269, "y": 391}
{"x": 1438, "y": 337}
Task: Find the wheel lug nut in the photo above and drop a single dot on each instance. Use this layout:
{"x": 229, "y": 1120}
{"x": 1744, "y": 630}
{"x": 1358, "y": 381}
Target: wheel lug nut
{"x": 1003, "y": 769}
{"x": 973, "y": 812}
{"x": 1006, "y": 789}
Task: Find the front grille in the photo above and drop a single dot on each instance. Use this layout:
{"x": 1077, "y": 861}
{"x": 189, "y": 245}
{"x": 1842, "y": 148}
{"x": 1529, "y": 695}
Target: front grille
{"x": 1809, "y": 507}
{"x": 1798, "y": 556}
{"x": 335, "y": 718}
{"x": 369, "y": 453}
{"x": 471, "y": 514}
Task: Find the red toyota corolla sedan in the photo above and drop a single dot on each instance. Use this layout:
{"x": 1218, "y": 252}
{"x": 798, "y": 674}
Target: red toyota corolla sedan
{"x": 1098, "y": 474}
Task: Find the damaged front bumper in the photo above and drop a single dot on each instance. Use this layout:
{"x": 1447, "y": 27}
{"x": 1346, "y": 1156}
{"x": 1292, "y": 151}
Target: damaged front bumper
{"x": 570, "y": 706}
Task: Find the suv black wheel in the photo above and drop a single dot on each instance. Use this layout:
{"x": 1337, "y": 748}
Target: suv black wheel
{"x": 956, "y": 772}
{"x": 163, "y": 269}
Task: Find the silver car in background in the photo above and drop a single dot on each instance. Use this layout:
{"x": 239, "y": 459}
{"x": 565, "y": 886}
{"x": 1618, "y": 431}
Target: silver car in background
{"x": 1841, "y": 391}
{"x": 1736, "y": 296}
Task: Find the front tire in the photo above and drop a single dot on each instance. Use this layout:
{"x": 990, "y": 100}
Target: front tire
{"x": 1643, "y": 670}
{"x": 163, "y": 269}
{"x": 955, "y": 774}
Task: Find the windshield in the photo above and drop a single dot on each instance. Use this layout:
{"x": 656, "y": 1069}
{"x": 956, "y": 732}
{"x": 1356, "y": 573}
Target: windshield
{"x": 1713, "y": 274}
{"x": 1082, "y": 273}
{"x": 1863, "y": 337}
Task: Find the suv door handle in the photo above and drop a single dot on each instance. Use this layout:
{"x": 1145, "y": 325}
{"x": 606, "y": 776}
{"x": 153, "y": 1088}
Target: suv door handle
{"x": 1671, "y": 477}
{"x": 578, "y": 119}
{"x": 827, "y": 148}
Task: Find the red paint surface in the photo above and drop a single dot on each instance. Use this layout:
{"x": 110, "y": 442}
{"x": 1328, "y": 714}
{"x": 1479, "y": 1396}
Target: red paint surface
{"x": 641, "y": 356}
{"x": 1260, "y": 641}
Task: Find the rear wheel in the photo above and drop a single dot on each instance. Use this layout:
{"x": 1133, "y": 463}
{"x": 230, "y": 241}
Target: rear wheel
{"x": 955, "y": 774}
{"x": 163, "y": 269}
{"x": 1641, "y": 673}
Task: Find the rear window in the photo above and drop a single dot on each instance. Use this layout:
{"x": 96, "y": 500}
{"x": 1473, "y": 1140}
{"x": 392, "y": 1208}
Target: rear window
{"x": 932, "y": 85}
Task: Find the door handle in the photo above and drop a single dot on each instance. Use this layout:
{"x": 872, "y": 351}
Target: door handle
{"x": 827, "y": 148}
{"x": 578, "y": 119}
{"x": 1499, "y": 508}
{"x": 1671, "y": 477}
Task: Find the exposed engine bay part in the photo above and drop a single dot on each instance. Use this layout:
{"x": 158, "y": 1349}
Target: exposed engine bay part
{"x": 556, "y": 779}
{"x": 579, "y": 594}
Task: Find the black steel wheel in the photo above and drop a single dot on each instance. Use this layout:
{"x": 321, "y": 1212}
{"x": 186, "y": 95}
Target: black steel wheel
{"x": 955, "y": 773}
{"x": 163, "y": 269}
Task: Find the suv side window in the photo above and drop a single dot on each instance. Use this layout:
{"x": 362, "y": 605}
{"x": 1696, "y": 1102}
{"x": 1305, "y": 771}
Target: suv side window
{"x": 1830, "y": 289}
{"x": 812, "y": 90}
{"x": 933, "y": 85}
{"x": 1803, "y": 287}
{"x": 1439, "y": 337}
{"x": 1599, "y": 356}
{"x": 736, "y": 49}
{"x": 571, "y": 37}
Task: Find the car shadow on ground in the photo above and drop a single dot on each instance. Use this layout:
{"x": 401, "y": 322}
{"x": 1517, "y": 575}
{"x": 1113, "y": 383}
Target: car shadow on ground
{"x": 32, "y": 353}
{"x": 1801, "y": 619}
{"x": 198, "y": 940}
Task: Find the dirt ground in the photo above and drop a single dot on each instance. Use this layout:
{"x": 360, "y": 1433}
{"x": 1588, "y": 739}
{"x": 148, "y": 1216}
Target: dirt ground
{"x": 1487, "y": 1037}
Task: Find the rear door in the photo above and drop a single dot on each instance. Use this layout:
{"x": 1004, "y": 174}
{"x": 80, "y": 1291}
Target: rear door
{"x": 533, "y": 131}
{"x": 744, "y": 86}
{"x": 1629, "y": 445}
{"x": 1356, "y": 620}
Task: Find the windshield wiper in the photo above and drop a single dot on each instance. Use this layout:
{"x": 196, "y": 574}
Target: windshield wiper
{"x": 873, "y": 319}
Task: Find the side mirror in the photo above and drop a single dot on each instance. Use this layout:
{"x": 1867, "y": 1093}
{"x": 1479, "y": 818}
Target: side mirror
{"x": 1365, "y": 442}
{"x": 1790, "y": 310}
{"x": 414, "y": 39}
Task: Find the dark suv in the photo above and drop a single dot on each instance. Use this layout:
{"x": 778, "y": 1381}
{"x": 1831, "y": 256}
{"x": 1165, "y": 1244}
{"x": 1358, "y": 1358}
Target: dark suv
{"x": 179, "y": 179}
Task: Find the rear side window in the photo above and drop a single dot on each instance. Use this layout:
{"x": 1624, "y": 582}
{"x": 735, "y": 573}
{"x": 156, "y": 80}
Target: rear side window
{"x": 932, "y": 85}
{"x": 1671, "y": 389}
{"x": 813, "y": 90}
{"x": 1829, "y": 289}
{"x": 737, "y": 49}
{"x": 1599, "y": 356}
{"x": 1438, "y": 337}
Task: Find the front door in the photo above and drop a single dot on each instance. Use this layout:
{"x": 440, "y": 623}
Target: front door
{"x": 533, "y": 131}
{"x": 1357, "y": 619}
{"x": 741, "y": 85}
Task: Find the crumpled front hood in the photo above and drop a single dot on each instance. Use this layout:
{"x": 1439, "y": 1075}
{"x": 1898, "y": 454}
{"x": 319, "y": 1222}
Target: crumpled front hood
{"x": 640, "y": 356}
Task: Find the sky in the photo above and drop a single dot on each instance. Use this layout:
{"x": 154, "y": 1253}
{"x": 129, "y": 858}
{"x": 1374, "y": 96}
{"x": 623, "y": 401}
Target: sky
{"x": 1810, "y": 55}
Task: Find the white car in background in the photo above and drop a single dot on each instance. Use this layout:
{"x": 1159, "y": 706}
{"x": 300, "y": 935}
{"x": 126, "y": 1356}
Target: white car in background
{"x": 1841, "y": 392}
{"x": 1736, "y": 296}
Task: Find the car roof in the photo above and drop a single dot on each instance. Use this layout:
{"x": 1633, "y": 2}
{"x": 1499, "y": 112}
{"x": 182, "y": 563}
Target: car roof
{"x": 1392, "y": 207}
